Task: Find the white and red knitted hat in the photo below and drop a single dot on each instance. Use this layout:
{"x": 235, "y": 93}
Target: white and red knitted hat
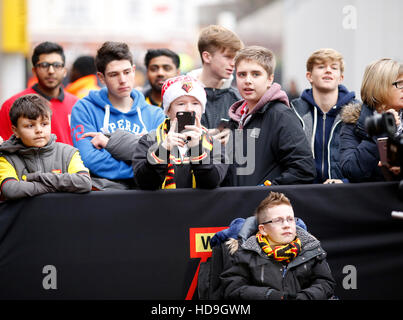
{"x": 182, "y": 86}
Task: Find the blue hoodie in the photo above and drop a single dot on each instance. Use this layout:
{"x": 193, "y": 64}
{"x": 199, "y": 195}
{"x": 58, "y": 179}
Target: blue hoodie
{"x": 95, "y": 113}
{"x": 325, "y": 122}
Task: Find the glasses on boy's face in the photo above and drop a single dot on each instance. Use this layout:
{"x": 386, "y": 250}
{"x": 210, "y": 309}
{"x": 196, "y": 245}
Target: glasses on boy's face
{"x": 47, "y": 65}
{"x": 280, "y": 221}
{"x": 398, "y": 84}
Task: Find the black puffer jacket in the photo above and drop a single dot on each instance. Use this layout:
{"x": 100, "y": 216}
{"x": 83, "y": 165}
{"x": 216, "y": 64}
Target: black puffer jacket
{"x": 254, "y": 276}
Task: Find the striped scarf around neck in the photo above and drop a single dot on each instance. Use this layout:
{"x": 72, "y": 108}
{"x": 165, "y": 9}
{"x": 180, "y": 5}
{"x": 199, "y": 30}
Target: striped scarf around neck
{"x": 284, "y": 253}
{"x": 169, "y": 181}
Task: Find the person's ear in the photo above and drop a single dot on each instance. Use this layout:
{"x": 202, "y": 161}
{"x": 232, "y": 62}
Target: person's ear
{"x": 206, "y": 57}
{"x": 261, "y": 230}
{"x": 178, "y": 72}
{"x": 64, "y": 72}
{"x": 270, "y": 80}
{"x": 308, "y": 76}
{"x": 101, "y": 77}
{"x": 34, "y": 72}
{"x": 15, "y": 131}
{"x": 341, "y": 78}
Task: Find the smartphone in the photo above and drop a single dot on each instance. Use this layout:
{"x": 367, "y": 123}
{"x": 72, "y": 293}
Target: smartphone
{"x": 223, "y": 124}
{"x": 383, "y": 150}
{"x": 185, "y": 118}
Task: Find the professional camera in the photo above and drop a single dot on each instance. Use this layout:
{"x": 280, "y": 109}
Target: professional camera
{"x": 390, "y": 147}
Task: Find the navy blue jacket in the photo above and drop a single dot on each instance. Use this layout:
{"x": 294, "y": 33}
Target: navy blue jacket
{"x": 322, "y": 131}
{"x": 359, "y": 154}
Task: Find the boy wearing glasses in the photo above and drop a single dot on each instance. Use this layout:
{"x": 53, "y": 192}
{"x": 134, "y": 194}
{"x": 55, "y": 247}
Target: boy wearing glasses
{"x": 48, "y": 62}
{"x": 281, "y": 261}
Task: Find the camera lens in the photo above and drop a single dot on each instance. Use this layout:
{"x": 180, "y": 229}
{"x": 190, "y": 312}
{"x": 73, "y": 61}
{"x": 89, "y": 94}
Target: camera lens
{"x": 374, "y": 125}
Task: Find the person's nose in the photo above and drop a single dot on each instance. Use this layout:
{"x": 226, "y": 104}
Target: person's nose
{"x": 51, "y": 69}
{"x": 286, "y": 224}
{"x": 187, "y": 107}
{"x": 38, "y": 129}
{"x": 248, "y": 78}
{"x": 122, "y": 78}
{"x": 160, "y": 72}
{"x": 232, "y": 62}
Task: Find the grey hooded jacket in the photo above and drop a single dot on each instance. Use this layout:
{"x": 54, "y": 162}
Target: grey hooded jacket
{"x": 36, "y": 167}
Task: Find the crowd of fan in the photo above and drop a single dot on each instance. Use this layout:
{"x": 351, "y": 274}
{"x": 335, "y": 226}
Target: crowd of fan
{"x": 100, "y": 133}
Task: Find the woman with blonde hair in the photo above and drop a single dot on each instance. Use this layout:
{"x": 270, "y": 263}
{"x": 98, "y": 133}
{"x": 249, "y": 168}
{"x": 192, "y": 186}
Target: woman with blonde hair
{"x": 381, "y": 91}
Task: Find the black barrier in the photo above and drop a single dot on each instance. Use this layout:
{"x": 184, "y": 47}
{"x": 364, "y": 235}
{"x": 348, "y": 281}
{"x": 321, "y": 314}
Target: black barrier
{"x": 136, "y": 244}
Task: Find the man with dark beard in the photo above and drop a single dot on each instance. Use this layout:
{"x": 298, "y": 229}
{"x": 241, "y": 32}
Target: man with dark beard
{"x": 161, "y": 65}
{"x": 48, "y": 63}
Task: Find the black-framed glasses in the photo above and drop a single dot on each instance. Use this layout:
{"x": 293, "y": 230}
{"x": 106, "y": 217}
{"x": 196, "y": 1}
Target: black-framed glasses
{"x": 280, "y": 220}
{"x": 46, "y": 65}
{"x": 398, "y": 84}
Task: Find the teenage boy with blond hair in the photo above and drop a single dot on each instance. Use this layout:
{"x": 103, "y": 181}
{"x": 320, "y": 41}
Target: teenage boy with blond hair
{"x": 217, "y": 47}
{"x": 319, "y": 109}
{"x": 31, "y": 161}
{"x": 272, "y": 137}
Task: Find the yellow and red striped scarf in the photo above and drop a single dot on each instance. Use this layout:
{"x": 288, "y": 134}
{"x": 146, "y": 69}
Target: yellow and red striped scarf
{"x": 284, "y": 253}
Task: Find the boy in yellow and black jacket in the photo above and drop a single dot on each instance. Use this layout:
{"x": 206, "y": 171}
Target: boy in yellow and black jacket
{"x": 31, "y": 161}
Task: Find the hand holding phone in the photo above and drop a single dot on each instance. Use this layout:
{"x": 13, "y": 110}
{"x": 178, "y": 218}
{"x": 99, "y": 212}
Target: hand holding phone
{"x": 383, "y": 150}
{"x": 223, "y": 124}
{"x": 173, "y": 138}
{"x": 185, "y": 118}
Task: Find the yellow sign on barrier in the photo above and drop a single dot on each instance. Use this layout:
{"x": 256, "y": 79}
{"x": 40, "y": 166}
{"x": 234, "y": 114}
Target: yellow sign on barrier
{"x": 13, "y": 24}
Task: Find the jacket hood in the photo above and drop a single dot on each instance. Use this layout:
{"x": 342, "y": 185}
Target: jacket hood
{"x": 351, "y": 112}
{"x": 344, "y": 97}
{"x": 308, "y": 242}
{"x": 274, "y": 93}
{"x": 100, "y": 99}
{"x": 14, "y": 145}
{"x": 197, "y": 72}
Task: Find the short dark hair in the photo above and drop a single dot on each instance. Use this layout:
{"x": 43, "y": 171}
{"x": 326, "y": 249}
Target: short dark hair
{"x": 111, "y": 51}
{"x": 83, "y": 66}
{"x": 154, "y": 53}
{"x": 46, "y": 48}
{"x": 30, "y": 106}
